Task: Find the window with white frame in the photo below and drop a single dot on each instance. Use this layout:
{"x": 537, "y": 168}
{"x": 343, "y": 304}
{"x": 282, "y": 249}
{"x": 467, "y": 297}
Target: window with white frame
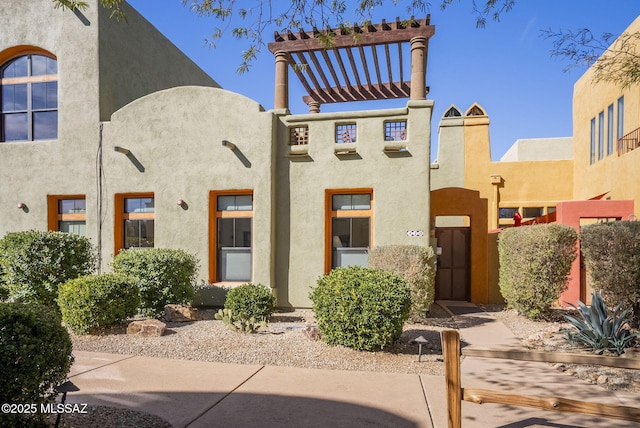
{"x": 610, "y": 130}
{"x": 592, "y": 151}
{"x": 233, "y": 226}
{"x": 350, "y": 235}
{"x": 601, "y": 135}
{"x": 620, "y": 117}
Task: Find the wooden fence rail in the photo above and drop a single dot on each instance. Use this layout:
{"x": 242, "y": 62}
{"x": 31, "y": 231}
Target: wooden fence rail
{"x": 456, "y": 393}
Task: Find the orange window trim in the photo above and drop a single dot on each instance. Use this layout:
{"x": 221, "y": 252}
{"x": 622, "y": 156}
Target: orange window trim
{"x": 214, "y": 215}
{"x": 120, "y": 216}
{"x": 20, "y": 50}
{"x": 330, "y": 213}
{"x": 53, "y": 216}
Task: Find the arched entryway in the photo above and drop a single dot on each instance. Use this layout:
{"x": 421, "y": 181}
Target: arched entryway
{"x": 463, "y": 272}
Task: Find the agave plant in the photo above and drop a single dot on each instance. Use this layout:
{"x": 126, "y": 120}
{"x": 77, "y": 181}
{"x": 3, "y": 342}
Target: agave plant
{"x": 599, "y": 330}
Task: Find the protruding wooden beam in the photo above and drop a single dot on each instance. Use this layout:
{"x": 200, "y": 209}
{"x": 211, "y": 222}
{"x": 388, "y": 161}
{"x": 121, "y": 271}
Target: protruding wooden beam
{"x": 385, "y": 34}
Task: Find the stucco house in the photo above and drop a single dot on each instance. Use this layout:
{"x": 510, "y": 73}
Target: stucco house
{"x": 108, "y": 130}
{"x": 589, "y": 177}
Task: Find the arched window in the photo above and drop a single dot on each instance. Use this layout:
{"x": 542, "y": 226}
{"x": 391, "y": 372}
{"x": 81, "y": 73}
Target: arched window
{"x": 29, "y": 109}
{"x": 453, "y": 112}
{"x": 475, "y": 110}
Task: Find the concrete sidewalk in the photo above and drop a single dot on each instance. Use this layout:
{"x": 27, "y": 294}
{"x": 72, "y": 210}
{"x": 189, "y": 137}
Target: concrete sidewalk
{"x": 203, "y": 394}
{"x": 523, "y": 378}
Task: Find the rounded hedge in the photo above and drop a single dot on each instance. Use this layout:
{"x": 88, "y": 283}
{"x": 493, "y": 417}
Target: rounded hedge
{"x": 94, "y": 302}
{"x": 535, "y": 262}
{"x": 612, "y": 255}
{"x": 251, "y": 301}
{"x": 164, "y": 276}
{"x": 34, "y": 263}
{"x": 361, "y": 308}
{"x": 35, "y": 356}
{"x": 416, "y": 264}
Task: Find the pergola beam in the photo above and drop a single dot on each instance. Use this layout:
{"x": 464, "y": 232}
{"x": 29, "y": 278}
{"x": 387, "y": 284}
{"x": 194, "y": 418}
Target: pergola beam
{"x": 317, "y": 69}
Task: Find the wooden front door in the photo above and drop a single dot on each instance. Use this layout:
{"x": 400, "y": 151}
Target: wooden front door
{"x": 453, "y": 273}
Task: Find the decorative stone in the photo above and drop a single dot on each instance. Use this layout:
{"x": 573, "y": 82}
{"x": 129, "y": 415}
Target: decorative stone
{"x": 602, "y": 380}
{"x": 147, "y": 328}
{"x": 312, "y": 332}
{"x": 179, "y": 313}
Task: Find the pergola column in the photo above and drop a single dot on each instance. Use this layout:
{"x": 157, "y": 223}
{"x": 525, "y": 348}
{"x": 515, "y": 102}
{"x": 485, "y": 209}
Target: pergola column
{"x": 418, "y": 68}
{"x": 314, "y": 107}
{"x": 281, "y": 98}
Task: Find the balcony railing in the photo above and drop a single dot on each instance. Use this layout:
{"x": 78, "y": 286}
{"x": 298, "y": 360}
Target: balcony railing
{"x": 629, "y": 142}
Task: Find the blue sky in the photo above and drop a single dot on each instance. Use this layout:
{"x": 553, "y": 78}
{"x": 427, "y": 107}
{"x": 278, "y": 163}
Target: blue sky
{"x": 506, "y": 67}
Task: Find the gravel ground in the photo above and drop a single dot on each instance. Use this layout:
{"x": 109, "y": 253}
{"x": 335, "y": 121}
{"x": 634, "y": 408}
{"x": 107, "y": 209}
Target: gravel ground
{"x": 285, "y": 344}
{"x": 550, "y": 336}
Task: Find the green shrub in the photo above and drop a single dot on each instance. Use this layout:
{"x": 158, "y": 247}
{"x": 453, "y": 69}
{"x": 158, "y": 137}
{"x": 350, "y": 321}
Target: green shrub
{"x": 417, "y": 265}
{"x": 535, "y": 262}
{"x": 33, "y": 264}
{"x": 164, "y": 276}
{"x": 600, "y": 331}
{"x": 361, "y": 308}
{"x": 251, "y": 301}
{"x": 612, "y": 255}
{"x": 94, "y": 302}
{"x": 35, "y": 357}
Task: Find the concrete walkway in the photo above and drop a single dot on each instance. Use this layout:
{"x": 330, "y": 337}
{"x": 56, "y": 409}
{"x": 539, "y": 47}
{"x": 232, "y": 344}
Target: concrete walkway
{"x": 523, "y": 378}
{"x": 203, "y": 394}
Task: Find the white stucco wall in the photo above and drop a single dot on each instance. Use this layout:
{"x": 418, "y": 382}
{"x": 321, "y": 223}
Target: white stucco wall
{"x": 540, "y": 149}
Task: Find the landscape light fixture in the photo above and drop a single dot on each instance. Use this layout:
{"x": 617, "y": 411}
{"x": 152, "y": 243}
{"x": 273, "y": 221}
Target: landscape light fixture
{"x": 180, "y": 202}
{"x": 21, "y": 205}
{"x": 121, "y": 150}
{"x": 228, "y": 144}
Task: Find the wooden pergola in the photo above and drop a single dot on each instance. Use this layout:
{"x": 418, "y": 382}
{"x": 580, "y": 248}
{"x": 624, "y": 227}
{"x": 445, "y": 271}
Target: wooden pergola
{"x": 358, "y": 65}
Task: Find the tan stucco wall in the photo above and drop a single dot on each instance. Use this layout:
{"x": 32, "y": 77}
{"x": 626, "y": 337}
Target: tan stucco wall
{"x": 451, "y": 145}
{"x": 400, "y": 184}
{"x": 176, "y": 135}
{"x": 614, "y": 175}
{"x": 124, "y": 85}
{"x": 136, "y": 60}
{"x": 522, "y": 184}
{"x": 462, "y": 184}
{"x": 31, "y": 170}
{"x": 464, "y": 160}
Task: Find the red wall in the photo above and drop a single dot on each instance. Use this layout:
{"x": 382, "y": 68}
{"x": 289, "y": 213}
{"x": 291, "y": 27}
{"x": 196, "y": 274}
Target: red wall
{"x": 570, "y": 213}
